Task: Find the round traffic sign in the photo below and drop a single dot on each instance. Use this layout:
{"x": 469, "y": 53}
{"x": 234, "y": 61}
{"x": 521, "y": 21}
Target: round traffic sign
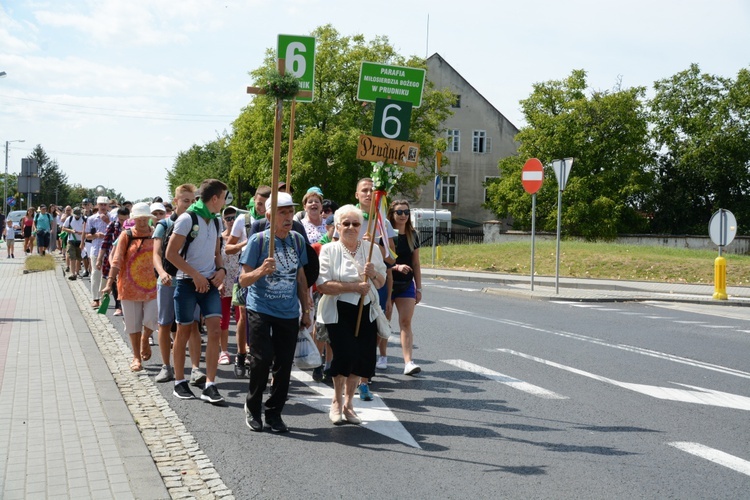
{"x": 229, "y": 199}
{"x": 722, "y": 227}
{"x": 532, "y": 175}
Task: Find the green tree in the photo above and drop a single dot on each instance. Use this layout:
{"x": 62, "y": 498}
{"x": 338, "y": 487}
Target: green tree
{"x": 210, "y": 161}
{"x": 606, "y": 133}
{"x": 54, "y": 183}
{"x": 327, "y": 129}
{"x": 701, "y": 128}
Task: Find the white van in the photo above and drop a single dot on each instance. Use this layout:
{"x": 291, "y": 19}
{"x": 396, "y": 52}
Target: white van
{"x": 422, "y": 218}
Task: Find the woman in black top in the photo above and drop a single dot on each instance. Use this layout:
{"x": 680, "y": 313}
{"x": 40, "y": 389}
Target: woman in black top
{"x": 407, "y": 278}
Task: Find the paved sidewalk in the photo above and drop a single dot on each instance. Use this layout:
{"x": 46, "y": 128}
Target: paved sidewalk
{"x": 64, "y": 425}
{"x": 80, "y": 423}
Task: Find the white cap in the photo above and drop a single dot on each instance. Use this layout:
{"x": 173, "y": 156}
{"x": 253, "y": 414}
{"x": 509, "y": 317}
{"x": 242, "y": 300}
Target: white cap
{"x": 285, "y": 200}
{"x": 157, "y": 206}
{"x": 102, "y": 199}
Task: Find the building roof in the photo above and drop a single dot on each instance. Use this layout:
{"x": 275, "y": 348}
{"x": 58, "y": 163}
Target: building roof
{"x": 443, "y": 61}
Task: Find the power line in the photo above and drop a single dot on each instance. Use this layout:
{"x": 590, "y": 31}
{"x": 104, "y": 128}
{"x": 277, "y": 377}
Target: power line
{"x": 102, "y": 155}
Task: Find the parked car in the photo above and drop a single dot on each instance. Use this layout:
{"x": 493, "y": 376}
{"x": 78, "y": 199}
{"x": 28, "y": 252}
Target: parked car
{"x": 16, "y": 216}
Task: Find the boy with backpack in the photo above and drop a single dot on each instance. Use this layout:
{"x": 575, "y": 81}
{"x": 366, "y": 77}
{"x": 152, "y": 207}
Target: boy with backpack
{"x": 184, "y": 196}
{"x": 200, "y": 272}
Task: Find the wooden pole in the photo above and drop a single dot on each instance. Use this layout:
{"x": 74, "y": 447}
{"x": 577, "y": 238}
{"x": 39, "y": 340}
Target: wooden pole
{"x": 289, "y": 154}
{"x": 371, "y": 233}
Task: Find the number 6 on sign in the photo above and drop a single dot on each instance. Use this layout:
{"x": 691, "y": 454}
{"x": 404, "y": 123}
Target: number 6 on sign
{"x": 392, "y": 119}
{"x": 298, "y": 53}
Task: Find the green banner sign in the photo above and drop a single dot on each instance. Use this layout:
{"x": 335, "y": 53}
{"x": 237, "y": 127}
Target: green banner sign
{"x": 298, "y": 53}
{"x": 390, "y": 82}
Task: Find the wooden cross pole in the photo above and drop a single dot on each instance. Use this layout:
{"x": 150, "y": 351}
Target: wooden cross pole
{"x": 279, "y": 115}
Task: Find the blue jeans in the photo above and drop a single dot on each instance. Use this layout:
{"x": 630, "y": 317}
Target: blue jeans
{"x": 186, "y": 298}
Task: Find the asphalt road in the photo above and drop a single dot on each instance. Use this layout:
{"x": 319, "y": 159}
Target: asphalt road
{"x": 518, "y": 399}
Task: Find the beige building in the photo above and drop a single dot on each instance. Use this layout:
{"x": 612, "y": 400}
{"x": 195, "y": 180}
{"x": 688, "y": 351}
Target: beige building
{"x": 478, "y": 137}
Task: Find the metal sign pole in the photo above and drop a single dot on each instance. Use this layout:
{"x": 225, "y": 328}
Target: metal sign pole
{"x": 557, "y": 256}
{"x": 533, "y": 236}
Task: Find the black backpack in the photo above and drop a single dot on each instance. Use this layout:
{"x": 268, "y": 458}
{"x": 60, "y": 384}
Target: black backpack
{"x": 170, "y": 268}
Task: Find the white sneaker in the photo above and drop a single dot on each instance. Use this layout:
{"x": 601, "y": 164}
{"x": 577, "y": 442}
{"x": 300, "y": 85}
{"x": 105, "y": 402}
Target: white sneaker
{"x": 411, "y": 368}
{"x": 382, "y": 363}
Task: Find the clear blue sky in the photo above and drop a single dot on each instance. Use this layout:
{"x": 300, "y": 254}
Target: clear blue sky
{"x": 114, "y": 89}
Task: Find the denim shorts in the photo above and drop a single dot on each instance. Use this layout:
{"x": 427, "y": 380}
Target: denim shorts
{"x": 42, "y": 238}
{"x": 165, "y": 304}
{"x": 186, "y": 298}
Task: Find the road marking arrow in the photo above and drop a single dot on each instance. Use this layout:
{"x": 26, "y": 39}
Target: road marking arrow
{"x": 504, "y": 379}
{"x": 375, "y": 414}
{"x": 698, "y": 396}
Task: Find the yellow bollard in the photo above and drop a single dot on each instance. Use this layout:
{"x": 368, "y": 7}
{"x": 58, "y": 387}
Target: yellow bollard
{"x": 720, "y": 278}
{"x": 437, "y": 253}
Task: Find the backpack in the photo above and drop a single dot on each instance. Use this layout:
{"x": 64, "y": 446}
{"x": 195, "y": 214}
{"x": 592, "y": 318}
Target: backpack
{"x": 49, "y": 218}
{"x": 170, "y": 268}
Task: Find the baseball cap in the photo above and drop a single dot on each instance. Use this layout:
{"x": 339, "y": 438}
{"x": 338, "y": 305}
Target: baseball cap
{"x": 103, "y": 200}
{"x": 315, "y": 189}
{"x": 157, "y": 206}
{"x": 77, "y": 211}
{"x": 85, "y": 200}
{"x": 282, "y": 185}
{"x": 329, "y": 220}
{"x": 285, "y": 200}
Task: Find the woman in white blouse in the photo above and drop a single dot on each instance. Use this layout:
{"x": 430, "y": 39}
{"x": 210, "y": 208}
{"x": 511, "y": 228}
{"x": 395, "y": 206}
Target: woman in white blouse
{"x": 346, "y": 278}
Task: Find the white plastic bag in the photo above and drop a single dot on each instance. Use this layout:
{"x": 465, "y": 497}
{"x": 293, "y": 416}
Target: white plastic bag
{"x": 306, "y": 355}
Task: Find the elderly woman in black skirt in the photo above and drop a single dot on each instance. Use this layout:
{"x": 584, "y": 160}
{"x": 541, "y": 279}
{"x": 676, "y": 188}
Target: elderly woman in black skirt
{"x": 346, "y": 278}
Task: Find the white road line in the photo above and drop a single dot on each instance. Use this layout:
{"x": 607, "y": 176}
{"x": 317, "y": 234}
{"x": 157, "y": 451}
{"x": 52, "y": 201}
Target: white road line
{"x": 713, "y": 455}
{"x": 593, "y": 340}
{"x": 699, "y": 395}
{"x": 723, "y": 327}
{"x": 375, "y": 414}
{"x": 581, "y": 305}
{"x": 682, "y": 322}
{"x": 504, "y": 379}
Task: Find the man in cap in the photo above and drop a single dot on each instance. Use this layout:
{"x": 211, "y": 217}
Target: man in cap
{"x": 96, "y": 230}
{"x": 42, "y": 226}
{"x": 158, "y": 210}
{"x": 87, "y": 211}
{"x": 235, "y": 244}
{"x": 277, "y": 287}
{"x": 75, "y": 226}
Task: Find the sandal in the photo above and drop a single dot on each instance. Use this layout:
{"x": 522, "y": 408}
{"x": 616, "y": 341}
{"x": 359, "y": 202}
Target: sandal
{"x": 136, "y": 366}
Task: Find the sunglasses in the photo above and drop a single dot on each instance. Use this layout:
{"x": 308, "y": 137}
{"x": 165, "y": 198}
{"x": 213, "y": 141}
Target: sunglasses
{"x": 350, "y": 224}
{"x": 402, "y": 212}
{"x": 327, "y": 211}
{"x": 229, "y": 219}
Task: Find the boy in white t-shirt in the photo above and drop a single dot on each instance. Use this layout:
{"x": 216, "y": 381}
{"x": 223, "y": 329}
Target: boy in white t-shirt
{"x": 10, "y": 238}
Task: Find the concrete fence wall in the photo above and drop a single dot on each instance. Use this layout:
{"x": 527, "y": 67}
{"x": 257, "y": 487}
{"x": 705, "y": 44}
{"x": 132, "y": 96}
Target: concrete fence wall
{"x": 493, "y": 233}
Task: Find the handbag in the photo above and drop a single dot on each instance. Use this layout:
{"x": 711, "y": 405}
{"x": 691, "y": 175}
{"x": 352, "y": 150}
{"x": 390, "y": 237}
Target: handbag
{"x": 239, "y": 295}
{"x": 306, "y": 355}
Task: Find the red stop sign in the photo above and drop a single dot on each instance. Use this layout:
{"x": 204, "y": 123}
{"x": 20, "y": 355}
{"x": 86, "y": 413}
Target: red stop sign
{"x": 532, "y": 175}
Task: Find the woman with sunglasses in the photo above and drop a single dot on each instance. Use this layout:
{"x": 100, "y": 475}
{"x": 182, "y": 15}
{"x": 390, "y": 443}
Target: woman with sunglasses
{"x": 407, "y": 278}
{"x": 346, "y": 278}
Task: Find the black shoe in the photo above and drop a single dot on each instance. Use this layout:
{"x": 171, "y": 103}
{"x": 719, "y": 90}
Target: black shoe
{"x": 85, "y": 274}
{"x": 73, "y": 277}
{"x": 327, "y": 376}
{"x": 182, "y": 391}
{"x": 240, "y": 369}
{"x": 317, "y": 374}
{"x": 253, "y": 421}
{"x": 275, "y": 424}
{"x": 211, "y": 394}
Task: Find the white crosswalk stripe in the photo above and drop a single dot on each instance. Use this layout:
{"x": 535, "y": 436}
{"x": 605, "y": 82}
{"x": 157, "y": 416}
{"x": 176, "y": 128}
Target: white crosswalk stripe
{"x": 715, "y": 456}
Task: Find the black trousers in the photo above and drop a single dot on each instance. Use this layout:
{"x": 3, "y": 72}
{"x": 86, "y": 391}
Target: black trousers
{"x": 271, "y": 344}
{"x": 353, "y": 355}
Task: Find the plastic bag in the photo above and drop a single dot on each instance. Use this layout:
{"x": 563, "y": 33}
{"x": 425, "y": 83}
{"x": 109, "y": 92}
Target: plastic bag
{"x": 306, "y": 355}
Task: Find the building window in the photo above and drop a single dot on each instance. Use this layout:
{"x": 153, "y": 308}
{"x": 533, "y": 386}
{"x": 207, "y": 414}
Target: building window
{"x": 456, "y": 101}
{"x": 450, "y": 187}
{"x": 489, "y": 179}
{"x": 454, "y": 141}
{"x": 481, "y": 143}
